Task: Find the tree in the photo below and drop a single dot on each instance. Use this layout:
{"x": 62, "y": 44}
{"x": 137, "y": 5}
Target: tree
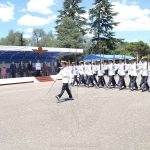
{"x": 69, "y": 35}
{"x": 37, "y": 36}
{"x": 22, "y": 40}
{"x": 49, "y": 40}
{"x": 137, "y": 48}
{"x": 72, "y": 10}
{"x": 40, "y": 38}
{"x": 102, "y": 24}
{"x": 71, "y": 25}
{"x": 14, "y": 39}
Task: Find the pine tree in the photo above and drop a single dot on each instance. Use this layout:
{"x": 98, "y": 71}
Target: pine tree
{"x": 69, "y": 35}
{"x": 22, "y": 40}
{"x": 102, "y": 18}
{"x": 70, "y": 24}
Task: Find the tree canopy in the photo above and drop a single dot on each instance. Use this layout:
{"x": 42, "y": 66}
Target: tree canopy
{"x": 102, "y": 23}
{"x": 71, "y": 25}
{"x": 13, "y": 38}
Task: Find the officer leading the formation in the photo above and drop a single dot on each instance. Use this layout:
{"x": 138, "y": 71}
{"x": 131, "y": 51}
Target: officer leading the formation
{"x": 65, "y": 75}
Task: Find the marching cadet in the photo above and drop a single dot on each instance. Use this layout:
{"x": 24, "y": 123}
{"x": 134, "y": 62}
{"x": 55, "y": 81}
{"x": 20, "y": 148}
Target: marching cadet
{"x": 101, "y": 71}
{"x": 139, "y": 66}
{"x": 121, "y": 73}
{"x": 144, "y": 72}
{"x": 94, "y": 70}
{"x": 89, "y": 74}
{"x": 111, "y": 73}
{"x": 128, "y": 70}
{"x": 65, "y": 74}
{"x": 70, "y": 72}
{"x": 75, "y": 74}
{"x": 133, "y": 69}
{"x": 86, "y": 63}
{"x": 81, "y": 71}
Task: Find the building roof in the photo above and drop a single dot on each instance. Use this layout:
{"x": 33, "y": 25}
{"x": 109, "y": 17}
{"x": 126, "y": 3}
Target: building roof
{"x": 105, "y": 57}
{"x": 18, "y": 53}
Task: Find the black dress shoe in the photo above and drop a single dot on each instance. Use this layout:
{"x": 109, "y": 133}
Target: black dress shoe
{"x": 58, "y": 98}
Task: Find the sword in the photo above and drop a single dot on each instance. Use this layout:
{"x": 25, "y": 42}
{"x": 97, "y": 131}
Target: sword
{"x": 51, "y": 87}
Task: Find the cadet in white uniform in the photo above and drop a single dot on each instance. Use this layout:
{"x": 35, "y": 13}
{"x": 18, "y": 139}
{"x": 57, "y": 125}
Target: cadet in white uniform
{"x": 144, "y": 67}
{"x": 133, "y": 69}
{"x": 128, "y": 69}
{"x": 81, "y": 71}
{"x": 111, "y": 73}
{"x": 70, "y": 72}
{"x": 65, "y": 74}
{"x": 101, "y": 71}
{"x": 86, "y": 71}
{"x": 89, "y": 74}
{"x": 94, "y": 70}
{"x": 75, "y": 73}
{"x": 121, "y": 73}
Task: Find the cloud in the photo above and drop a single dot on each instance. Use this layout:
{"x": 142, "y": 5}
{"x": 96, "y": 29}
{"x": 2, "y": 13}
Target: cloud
{"x": 85, "y": 15}
{"x": 40, "y": 6}
{"x": 29, "y": 30}
{"x": 29, "y": 20}
{"x": 131, "y": 17}
{"x": 6, "y": 12}
{"x": 28, "y": 33}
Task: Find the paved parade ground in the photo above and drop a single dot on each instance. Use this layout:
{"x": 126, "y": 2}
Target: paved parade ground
{"x": 98, "y": 119}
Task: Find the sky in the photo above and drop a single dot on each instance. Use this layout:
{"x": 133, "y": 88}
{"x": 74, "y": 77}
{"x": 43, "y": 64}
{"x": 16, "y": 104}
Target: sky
{"x": 25, "y": 15}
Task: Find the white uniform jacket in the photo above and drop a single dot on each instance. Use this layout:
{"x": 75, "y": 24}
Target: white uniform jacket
{"x": 144, "y": 69}
{"x": 65, "y": 75}
{"x": 133, "y": 69}
{"x": 121, "y": 69}
{"x": 81, "y": 69}
{"x": 111, "y": 69}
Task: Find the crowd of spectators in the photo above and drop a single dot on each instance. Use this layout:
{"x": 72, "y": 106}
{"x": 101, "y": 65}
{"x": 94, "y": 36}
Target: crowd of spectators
{"x": 27, "y": 69}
